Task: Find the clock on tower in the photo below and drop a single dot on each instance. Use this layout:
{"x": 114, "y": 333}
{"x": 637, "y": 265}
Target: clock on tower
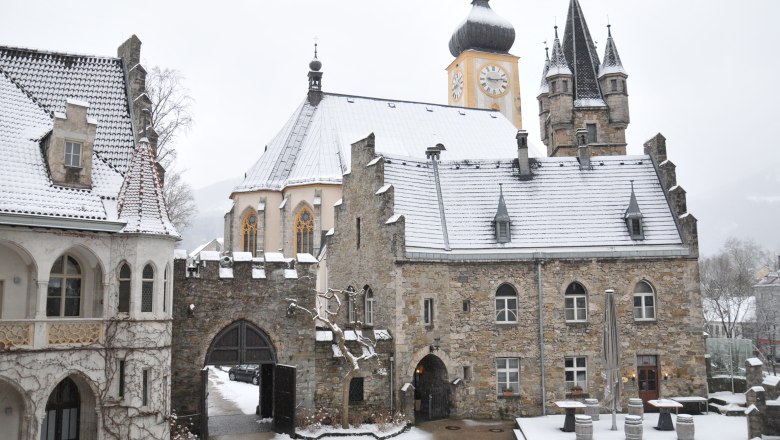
{"x": 484, "y": 74}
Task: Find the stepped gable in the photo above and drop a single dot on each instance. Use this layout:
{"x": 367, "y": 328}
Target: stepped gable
{"x": 50, "y": 78}
{"x": 314, "y": 144}
{"x": 141, "y": 202}
{"x": 583, "y": 60}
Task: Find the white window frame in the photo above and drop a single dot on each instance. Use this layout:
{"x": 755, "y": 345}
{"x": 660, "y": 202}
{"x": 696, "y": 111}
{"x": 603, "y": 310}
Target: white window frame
{"x": 575, "y": 369}
{"x": 369, "y": 306}
{"x": 504, "y": 370}
{"x": 71, "y": 156}
{"x": 571, "y": 304}
{"x": 640, "y": 312}
{"x": 428, "y": 313}
{"x": 503, "y": 306}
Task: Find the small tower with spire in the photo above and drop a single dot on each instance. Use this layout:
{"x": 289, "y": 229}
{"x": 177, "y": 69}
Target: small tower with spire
{"x": 484, "y": 74}
{"x": 315, "y": 79}
{"x": 579, "y": 93}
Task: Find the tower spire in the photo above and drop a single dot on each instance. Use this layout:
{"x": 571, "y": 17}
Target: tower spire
{"x": 580, "y": 51}
{"x": 558, "y": 64}
{"x": 612, "y": 63}
{"x": 544, "y": 87}
{"x": 315, "y": 79}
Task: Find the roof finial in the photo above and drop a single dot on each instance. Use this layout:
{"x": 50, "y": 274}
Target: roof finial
{"x": 609, "y": 30}
{"x": 556, "y": 29}
{"x": 315, "y": 65}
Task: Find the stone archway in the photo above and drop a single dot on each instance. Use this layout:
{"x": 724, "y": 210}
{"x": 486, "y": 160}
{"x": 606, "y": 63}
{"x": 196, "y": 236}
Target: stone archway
{"x": 70, "y": 411}
{"x": 432, "y": 390}
{"x": 14, "y": 415}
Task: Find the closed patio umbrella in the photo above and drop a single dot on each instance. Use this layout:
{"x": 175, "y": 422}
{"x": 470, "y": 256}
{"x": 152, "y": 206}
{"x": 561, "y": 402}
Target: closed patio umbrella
{"x": 611, "y": 356}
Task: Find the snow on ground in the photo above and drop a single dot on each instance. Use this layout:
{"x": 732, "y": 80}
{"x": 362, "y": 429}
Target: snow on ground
{"x": 412, "y": 434}
{"x": 243, "y": 394}
{"x": 729, "y": 397}
{"x": 712, "y": 426}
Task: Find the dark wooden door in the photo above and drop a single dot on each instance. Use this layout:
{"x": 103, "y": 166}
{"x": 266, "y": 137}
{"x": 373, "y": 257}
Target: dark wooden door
{"x": 204, "y": 404}
{"x": 284, "y": 400}
{"x": 266, "y": 391}
{"x": 647, "y": 380}
{"x": 62, "y": 413}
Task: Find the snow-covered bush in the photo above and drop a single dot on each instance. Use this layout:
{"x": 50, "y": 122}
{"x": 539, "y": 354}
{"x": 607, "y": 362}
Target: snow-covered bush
{"x": 180, "y": 430}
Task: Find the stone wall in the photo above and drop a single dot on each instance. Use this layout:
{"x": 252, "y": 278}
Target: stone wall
{"x": 473, "y": 340}
{"x": 220, "y": 301}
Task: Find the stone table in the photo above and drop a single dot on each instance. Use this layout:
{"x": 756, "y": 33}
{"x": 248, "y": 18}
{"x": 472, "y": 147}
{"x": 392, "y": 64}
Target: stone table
{"x": 571, "y": 407}
{"x": 693, "y": 399}
{"x": 665, "y": 417}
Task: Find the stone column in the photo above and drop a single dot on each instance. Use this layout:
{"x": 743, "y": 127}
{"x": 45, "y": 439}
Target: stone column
{"x": 40, "y": 305}
{"x": 755, "y": 399}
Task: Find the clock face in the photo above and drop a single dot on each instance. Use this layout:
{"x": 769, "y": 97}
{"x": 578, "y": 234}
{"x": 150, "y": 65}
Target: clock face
{"x": 457, "y": 85}
{"x": 493, "y": 80}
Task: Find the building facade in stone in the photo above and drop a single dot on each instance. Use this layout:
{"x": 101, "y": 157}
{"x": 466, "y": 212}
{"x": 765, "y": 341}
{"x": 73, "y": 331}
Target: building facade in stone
{"x": 86, "y": 249}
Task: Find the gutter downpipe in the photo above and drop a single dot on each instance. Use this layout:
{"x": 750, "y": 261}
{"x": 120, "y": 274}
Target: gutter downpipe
{"x": 541, "y": 333}
{"x": 392, "y": 391}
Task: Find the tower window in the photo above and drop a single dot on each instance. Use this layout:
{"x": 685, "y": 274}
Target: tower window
{"x": 554, "y": 86}
{"x": 304, "y": 232}
{"x": 565, "y": 86}
{"x": 591, "y": 133}
{"x": 249, "y": 233}
{"x": 147, "y": 289}
{"x": 613, "y": 85}
{"x": 124, "y": 289}
{"x": 428, "y": 312}
{"x": 625, "y": 90}
{"x": 357, "y": 232}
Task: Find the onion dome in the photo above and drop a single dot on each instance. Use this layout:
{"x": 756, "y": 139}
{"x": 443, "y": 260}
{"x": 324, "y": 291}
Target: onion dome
{"x": 483, "y": 30}
{"x": 315, "y": 64}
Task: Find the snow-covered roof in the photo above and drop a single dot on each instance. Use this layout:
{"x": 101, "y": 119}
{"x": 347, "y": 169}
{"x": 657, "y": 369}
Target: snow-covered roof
{"x": 35, "y": 87}
{"x": 561, "y": 207}
{"x": 772, "y": 279}
{"x": 314, "y": 146}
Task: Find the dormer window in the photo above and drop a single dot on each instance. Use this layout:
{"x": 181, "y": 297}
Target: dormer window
{"x": 633, "y": 217}
{"x": 72, "y": 154}
{"x": 502, "y": 220}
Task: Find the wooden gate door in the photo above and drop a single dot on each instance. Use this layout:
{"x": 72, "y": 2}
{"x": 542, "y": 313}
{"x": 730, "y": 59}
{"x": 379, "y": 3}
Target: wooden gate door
{"x": 204, "y": 403}
{"x": 266, "y": 391}
{"x": 647, "y": 380}
{"x": 284, "y": 400}
{"x": 439, "y": 401}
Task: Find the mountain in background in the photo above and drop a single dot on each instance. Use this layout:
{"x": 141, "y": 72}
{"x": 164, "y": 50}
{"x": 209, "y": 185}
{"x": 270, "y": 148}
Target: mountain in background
{"x": 213, "y": 201}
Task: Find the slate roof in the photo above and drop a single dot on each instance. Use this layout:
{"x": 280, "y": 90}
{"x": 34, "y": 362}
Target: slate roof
{"x": 612, "y": 63}
{"x": 34, "y": 85}
{"x": 583, "y": 60}
{"x": 314, "y": 144}
{"x": 561, "y": 207}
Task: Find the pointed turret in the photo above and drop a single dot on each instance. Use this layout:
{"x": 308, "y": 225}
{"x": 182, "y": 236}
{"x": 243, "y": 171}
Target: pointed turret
{"x": 613, "y": 77}
{"x": 141, "y": 202}
{"x": 544, "y": 87}
{"x": 584, "y": 61}
{"x": 502, "y": 219}
{"x": 557, "y": 62}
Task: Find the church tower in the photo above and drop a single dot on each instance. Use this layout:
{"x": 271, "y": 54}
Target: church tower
{"x": 580, "y": 92}
{"x": 484, "y": 74}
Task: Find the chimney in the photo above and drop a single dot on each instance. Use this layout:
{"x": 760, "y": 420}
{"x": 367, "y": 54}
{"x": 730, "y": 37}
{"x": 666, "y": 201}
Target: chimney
{"x": 522, "y": 154}
{"x": 583, "y": 150}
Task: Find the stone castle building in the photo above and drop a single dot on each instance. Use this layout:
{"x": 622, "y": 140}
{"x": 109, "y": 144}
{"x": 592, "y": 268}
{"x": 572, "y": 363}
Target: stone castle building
{"x": 485, "y": 266}
{"x": 86, "y": 248}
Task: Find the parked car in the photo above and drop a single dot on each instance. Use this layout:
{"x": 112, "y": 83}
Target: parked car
{"x": 245, "y": 373}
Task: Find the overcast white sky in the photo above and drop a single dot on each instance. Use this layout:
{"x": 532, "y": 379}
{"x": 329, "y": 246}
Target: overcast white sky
{"x": 702, "y": 72}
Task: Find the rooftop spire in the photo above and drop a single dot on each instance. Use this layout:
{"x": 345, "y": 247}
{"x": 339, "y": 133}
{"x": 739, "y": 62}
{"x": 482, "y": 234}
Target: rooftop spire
{"x": 612, "y": 63}
{"x": 482, "y": 30}
{"x": 581, "y": 53}
{"x": 501, "y": 213}
{"x": 315, "y": 79}
{"x": 633, "y": 206}
{"x": 557, "y": 63}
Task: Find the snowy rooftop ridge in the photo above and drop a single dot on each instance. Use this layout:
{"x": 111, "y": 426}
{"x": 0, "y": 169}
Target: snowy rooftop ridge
{"x": 561, "y": 207}
{"x": 314, "y": 146}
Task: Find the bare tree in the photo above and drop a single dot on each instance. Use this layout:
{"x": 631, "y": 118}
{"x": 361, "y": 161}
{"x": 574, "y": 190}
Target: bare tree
{"x": 171, "y": 116}
{"x": 326, "y": 315}
{"x": 727, "y": 280}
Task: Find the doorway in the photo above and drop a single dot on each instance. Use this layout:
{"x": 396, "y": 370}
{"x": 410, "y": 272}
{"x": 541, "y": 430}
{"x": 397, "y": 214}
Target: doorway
{"x": 647, "y": 380}
{"x": 63, "y": 411}
{"x": 432, "y": 393}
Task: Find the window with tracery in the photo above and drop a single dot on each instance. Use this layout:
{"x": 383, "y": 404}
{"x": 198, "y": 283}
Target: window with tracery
{"x": 64, "y": 292}
{"x": 249, "y": 233}
{"x": 147, "y": 289}
{"x": 304, "y": 232}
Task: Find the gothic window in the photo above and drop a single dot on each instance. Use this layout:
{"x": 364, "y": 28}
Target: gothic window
{"x": 64, "y": 293}
{"x": 249, "y": 233}
{"x": 72, "y": 154}
{"x": 62, "y": 413}
{"x": 576, "y": 303}
{"x": 644, "y": 302}
{"x": 369, "y": 305}
{"x": 124, "y": 289}
{"x": 304, "y": 232}
{"x": 576, "y": 371}
{"x": 165, "y": 289}
{"x": 506, "y": 304}
{"x": 147, "y": 289}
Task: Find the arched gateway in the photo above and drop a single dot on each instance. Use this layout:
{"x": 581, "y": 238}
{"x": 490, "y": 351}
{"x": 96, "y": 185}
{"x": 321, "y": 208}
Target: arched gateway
{"x": 432, "y": 390}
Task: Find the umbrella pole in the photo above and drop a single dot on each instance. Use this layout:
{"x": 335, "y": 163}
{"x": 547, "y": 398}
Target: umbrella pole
{"x": 614, "y": 418}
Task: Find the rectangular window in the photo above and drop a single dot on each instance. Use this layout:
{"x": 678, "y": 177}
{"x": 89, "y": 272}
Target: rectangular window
{"x": 644, "y": 306}
{"x": 576, "y": 372}
{"x": 508, "y": 375}
{"x": 72, "y": 154}
{"x": 351, "y": 308}
{"x": 554, "y": 86}
{"x": 145, "y": 387}
{"x": 565, "y": 86}
{"x": 165, "y": 290}
{"x": 356, "y": 389}
{"x": 370, "y": 310}
{"x": 576, "y": 308}
{"x": 121, "y": 378}
{"x": 613, "y": 85}
{"x": 466, "y": 372}
{"x": 506, "y": 309}
{"x": 592, "y": 138}
{"x": 466, "y": 306}
{"x": 625, "y": 90}
{"x": 428, "y": 312}
{"x": 1, "y": 299}
{"x": 357, "y": 232}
